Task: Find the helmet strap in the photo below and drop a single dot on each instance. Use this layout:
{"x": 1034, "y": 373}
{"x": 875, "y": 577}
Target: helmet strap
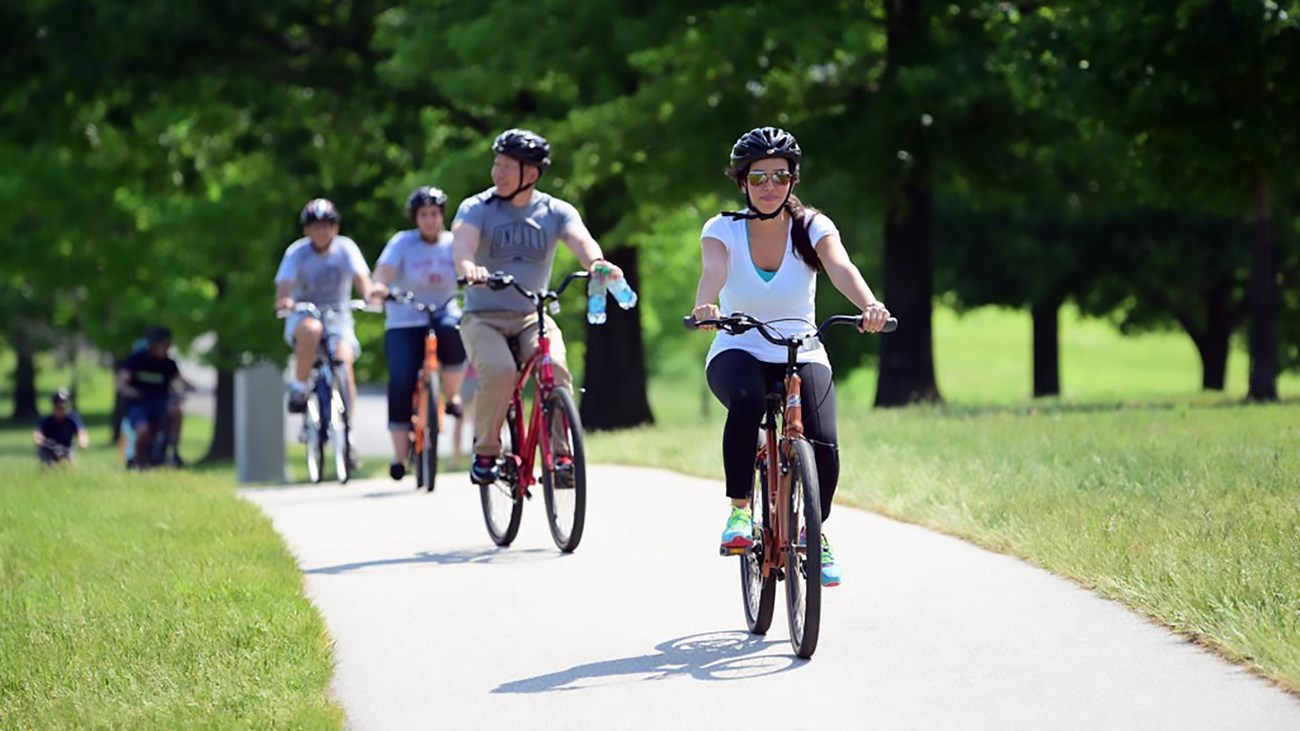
{"x": 751, "y": 212}
{"x": 522, "y": 187}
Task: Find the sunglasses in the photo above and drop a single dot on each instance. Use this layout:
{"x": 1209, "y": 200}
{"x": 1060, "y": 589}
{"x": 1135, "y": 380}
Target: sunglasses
{"x": 758, "y": 177}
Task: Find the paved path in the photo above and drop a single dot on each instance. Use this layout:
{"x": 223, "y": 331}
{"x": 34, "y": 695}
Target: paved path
{"x": 642, "y": 627}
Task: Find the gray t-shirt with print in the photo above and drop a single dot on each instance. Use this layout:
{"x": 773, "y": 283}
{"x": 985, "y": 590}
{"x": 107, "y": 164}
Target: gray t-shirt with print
{"x": 424, "y": 269}
{"x": 323, "y": 278}
{"x": 517, "y": 240}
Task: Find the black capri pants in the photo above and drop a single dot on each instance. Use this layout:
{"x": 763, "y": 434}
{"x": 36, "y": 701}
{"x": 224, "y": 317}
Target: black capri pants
{"x": 404, "y": 348}
{"x": 740, "y": 381}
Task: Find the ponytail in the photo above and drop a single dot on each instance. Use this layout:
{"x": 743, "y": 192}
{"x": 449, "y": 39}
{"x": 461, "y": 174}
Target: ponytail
{"x": 801, "y": 218}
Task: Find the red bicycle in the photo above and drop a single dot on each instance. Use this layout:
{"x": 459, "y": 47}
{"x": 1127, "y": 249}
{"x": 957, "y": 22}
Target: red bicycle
{"x": 553, "y": 427}
{"x": 786, "y": 500}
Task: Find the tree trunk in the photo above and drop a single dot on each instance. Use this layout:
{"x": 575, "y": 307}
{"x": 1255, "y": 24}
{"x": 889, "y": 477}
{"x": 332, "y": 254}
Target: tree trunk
{"x": 614, "y": 376}
{"x": 24, "y": 378}
{"x": 222, "y": 448}
{"x": 1047, "y": 351}
{"x": 1263, "y": 298}
{"x": 907, "y": 356}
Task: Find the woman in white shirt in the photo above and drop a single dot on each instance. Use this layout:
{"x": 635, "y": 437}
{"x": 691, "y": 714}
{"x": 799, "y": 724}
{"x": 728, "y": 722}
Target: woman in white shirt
{"x": 764, "y": 261}
{"x": 419, "y": 260}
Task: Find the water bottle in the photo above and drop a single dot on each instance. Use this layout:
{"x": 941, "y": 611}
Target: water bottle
{"x": 596, "y": 297}
{"x": 623, "y": 293}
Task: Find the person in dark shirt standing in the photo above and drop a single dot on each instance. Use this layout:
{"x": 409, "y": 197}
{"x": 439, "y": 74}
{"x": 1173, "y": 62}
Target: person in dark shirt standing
{"x": 145, "y": 380}
{"x": 55, "y": 433}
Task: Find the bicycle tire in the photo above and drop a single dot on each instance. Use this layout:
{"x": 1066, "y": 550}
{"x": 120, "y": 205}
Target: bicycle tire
{"x": 340, "y": 424}
{"x": 803, "y": 571}
{"x": 758, "y": 594}
{"x": 566, "y": 508}
{"x": 428, "y": 456}
{"x": 312, "y": 429}
{"x": 503, "y": 501}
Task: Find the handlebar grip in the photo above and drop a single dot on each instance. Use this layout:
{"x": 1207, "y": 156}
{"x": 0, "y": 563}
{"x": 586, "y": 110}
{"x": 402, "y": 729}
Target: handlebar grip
{"x": 890, "y": 325}
{"x": 689, "y": 323}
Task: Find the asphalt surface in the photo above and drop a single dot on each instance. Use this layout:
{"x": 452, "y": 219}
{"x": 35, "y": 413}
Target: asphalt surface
{"x": 642, "y": 627}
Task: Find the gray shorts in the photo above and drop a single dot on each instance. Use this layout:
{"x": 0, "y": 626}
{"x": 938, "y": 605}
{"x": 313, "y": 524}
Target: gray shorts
{"x": 343, "y": 328}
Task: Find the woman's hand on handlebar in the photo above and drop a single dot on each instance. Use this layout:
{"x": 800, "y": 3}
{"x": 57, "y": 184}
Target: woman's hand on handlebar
{"x": 874, "y": 317}
{"x": 378, "y": 293}
{"x": 707, "y": 311}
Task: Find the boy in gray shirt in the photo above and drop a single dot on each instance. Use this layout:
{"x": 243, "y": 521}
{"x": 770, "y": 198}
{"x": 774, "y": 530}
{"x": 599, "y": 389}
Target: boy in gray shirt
{"x": 320, "y": 268}
{"x": 513, "y": 228}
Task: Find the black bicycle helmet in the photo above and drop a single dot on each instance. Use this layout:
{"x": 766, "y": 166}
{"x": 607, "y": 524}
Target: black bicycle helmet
{"x": 157, "y": 334}
{"x": 318, "y": 209}
{"x": 525, "y": 146}
{"x": 60, "y": 397}
{"x": 760, "y": 143}
{"x": 425, "y": 195}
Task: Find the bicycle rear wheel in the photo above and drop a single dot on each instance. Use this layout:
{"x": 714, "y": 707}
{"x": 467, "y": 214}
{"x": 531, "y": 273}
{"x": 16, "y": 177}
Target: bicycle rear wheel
{"x": 503, "y": 501}
{"x": 758, "y": 593}
{"x": 340, "y": 424}
{"x": 427, "y": 459}
{"x": 803, "y": 563}
{"x": 313, "y": 431}
{"x": 565, "y": 488}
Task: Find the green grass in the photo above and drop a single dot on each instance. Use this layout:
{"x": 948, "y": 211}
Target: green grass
{"x": 154, "y": 600}
{"x": 1184, "y": 506}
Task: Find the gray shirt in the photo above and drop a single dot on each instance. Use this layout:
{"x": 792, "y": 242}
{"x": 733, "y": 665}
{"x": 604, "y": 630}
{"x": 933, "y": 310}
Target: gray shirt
{"x": 423, "y": 268}
{"x": 322, "y": 278}
{"x": 517, "y": 240}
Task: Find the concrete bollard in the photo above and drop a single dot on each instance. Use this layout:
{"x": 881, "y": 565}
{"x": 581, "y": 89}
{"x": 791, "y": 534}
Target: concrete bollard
{"x": 259, "y": 424}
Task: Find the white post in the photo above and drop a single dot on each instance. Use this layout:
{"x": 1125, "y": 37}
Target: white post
{"x": 259, "y": 424}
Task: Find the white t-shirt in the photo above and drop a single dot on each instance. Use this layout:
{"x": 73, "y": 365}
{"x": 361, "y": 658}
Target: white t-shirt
{"x": 790, "y": 294}
{"x": 423, "y": 268}
{"x": 322, "y": 278}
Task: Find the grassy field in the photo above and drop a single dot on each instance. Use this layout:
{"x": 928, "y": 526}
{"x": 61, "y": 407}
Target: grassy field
{"x": 155, "y": 600}
{"x": 1182, "y": 505}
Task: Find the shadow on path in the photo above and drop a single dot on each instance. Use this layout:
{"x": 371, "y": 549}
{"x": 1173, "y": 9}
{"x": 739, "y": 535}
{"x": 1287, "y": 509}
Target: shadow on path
{"x": 492, "y": 555}
{"x": 729, "y": 655}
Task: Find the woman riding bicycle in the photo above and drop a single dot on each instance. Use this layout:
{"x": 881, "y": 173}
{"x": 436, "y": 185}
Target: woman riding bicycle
{"x": 419, "y": 261}
{"x": 764, "y": 261}
{"x": 512, "y": 227}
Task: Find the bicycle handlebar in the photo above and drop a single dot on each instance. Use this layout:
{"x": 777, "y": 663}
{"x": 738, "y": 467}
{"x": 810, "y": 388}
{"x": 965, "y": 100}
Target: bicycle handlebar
{"x": 320, "y": 312}
{"x": 404, "y": 296}
{"x": 739, "y": 322}
{"x": 501, "y": 280}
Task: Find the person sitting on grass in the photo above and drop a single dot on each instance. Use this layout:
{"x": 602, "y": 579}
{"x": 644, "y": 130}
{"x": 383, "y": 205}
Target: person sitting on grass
{"x": 55, "y": 433}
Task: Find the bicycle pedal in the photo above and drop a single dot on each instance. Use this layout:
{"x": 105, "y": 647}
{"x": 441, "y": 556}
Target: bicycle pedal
{"x": 733, "y": 550}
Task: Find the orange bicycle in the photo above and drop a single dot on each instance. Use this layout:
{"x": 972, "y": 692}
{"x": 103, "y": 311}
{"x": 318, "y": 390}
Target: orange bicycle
{"x": 787, "y": 508}
{"x": 427, "y": 407}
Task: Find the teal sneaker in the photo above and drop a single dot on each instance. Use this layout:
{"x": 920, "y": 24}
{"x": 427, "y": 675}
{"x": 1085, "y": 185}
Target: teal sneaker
{"x": 740, "y": 529}
{"x": 831, "y": 574}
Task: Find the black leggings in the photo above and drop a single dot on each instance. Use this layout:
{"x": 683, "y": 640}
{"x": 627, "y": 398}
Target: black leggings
{"x": 740, "y": 382}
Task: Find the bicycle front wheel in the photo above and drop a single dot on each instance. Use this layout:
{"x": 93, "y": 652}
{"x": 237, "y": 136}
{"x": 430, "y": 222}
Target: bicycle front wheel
{"x": 803, "y": 562}
{"x": 428, "y": 456}
{"x": 313, "y": 431}
{"x": 564, "y": 483}
{"x": 758, "y": 592}
{"x": 340, "y": 424}
{"x": 503, "y": 501}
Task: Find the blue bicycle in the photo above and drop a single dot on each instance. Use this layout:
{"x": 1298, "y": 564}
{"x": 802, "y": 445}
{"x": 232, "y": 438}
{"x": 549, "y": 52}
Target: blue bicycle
{"x": 328, "y": 418}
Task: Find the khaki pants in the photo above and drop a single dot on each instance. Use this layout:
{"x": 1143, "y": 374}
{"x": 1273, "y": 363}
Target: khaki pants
{"x": 484, "y": 335}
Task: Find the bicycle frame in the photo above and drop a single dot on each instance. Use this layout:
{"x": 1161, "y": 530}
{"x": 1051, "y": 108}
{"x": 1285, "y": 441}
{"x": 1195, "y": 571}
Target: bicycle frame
{"x": 777, "y": 489}
{"x": 538, "y": 367}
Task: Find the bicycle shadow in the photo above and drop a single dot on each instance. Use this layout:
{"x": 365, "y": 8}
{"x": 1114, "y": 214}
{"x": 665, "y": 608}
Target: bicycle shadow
{"x": 715, "y": 656}
{"x": 486, "y": 556}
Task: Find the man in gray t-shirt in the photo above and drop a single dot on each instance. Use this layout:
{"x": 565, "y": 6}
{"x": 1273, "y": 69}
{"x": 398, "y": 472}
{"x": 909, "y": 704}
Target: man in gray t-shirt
{"x": 320, "y": 268}
{"x": 512, "y": 227}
